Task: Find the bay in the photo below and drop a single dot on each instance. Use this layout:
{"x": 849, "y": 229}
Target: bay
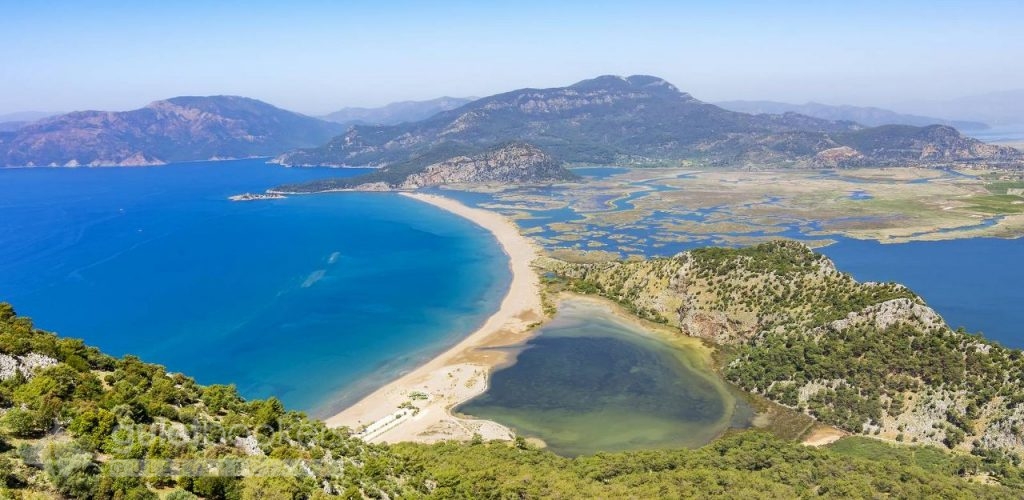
{"x": 314, "y": 299}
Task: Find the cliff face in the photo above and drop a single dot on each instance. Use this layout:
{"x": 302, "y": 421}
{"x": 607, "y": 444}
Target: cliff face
{"x": 867, "y": 357}
{"x": 178, "y": 129}
{"x": 645, "y": 120}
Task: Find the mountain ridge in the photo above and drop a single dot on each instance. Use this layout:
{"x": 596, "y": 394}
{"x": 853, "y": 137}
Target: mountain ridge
{"x": 645, "y": 120}
{"x": 183, "y": 128}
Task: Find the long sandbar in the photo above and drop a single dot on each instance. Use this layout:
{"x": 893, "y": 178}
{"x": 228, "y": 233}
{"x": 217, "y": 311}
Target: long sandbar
{"x": 460, "y": 373}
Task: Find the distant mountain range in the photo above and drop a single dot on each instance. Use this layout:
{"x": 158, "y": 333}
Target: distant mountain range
{"x": 177, "y": 129}
{"x": 872, "y": 117}
{"x": 994, "y": 108}
{"x": 396, "y": 112}
{"x": 637, "y": 120}
{"x": 641, "y": 120}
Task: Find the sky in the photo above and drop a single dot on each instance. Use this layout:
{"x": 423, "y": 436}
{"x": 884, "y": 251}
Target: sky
{"x": 318, "y": 56}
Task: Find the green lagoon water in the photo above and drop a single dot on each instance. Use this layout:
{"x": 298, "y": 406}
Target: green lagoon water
{"x": 591, "y": 382}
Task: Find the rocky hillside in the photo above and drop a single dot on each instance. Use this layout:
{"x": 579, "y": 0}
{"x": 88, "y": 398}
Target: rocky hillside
{"x": 864, "y": 115}
{"x": 178, "y": 129}
{"x": 512, "y": 163}
{"x": 639, "y": 120}
{"x": 867, "y": 357}
{"x": 934, "y": 144}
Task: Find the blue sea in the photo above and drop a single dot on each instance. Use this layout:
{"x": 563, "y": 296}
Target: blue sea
{"x": 314, "y": 299}
{"x": 975, "y": 283}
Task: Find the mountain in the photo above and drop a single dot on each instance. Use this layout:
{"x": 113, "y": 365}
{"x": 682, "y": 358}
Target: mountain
{"x": 641, "y": 120}
{"x": 510, "y": 163}
{"x": 177, "y": 129}
{"x": 869, "y": 116}
{"x": 396, "y": 112}
{"x": 995, "y": 108}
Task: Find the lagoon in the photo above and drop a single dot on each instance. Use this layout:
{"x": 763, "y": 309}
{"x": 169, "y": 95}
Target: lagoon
{"x": 590, "y": 381}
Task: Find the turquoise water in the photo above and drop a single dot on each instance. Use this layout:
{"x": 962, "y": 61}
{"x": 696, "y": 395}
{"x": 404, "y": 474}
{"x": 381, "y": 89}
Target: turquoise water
{"x": 313, "y": 299}
{"x": 589, "y": 382}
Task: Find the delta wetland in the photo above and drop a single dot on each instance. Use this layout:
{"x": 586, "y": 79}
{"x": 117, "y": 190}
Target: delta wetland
{"x": 661, "y": 211}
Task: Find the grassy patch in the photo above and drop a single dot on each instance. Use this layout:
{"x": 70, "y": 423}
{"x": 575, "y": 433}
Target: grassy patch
{"x": 997, "y": 204}
{"x": 1000, "y": 187}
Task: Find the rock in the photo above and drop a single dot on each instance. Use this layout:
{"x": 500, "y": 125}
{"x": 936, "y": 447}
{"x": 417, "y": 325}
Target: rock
{"x": 27, "y": 364}
{"x": 889, "y": 313}
{"x": 511, "y": 163}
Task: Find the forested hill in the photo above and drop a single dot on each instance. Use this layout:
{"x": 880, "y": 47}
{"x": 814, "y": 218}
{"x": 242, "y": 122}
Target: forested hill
{"x": 870, "y": 358}
{"x": 77, "y": 423}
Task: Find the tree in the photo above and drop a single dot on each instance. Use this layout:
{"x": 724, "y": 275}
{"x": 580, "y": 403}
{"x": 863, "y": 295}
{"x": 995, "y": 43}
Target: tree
{"x": 23, "y": 423}
{"x": 71, "y": 470}
{"x": 218, "y": 398}
{"x": 267, "y": 413}
{"x": 92, "y": 426}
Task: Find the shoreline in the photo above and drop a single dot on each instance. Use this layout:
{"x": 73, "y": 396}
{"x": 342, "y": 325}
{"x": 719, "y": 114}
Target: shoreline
{"x": 417, "y": 406}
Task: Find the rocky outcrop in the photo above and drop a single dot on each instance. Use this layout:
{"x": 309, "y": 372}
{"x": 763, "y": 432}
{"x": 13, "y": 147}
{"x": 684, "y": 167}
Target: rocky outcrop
{"x": 27, "y": 365}
{"x": 838, "y": 157}
{"x": 887, "y": 314}
{"x": 509, "y": 164}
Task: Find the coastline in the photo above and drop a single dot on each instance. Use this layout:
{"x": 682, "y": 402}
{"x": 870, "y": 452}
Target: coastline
{"x": 417, "y": 406}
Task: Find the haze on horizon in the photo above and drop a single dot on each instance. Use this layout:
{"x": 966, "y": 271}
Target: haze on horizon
{"x": 318, "y": 56}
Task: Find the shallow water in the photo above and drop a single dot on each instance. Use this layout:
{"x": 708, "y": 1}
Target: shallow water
{"x": 590, "y": 382}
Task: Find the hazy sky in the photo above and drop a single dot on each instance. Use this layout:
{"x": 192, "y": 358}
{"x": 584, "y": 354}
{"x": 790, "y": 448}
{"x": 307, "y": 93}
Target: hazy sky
{"x": 317, "y": 56}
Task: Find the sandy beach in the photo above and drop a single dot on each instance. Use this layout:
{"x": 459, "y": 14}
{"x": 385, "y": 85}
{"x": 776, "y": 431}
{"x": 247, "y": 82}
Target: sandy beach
{"x": 417, "y": 406}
